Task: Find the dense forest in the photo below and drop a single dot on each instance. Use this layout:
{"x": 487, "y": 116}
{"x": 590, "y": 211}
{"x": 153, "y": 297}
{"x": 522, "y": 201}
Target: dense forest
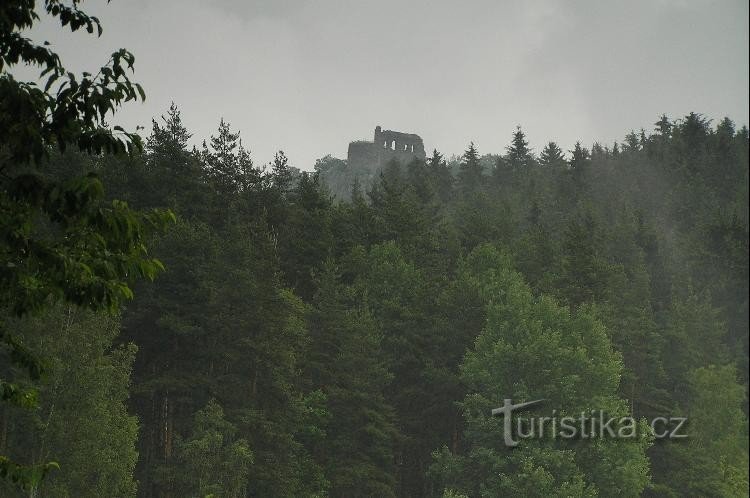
{"x": 179, "y": 321}
{"x": 301, "y": 346}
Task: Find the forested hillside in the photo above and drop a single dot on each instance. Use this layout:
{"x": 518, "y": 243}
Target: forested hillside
{"x": 301, "y": 346}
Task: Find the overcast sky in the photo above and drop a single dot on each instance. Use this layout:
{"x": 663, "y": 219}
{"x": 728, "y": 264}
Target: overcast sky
{"x": 309, "y": 76}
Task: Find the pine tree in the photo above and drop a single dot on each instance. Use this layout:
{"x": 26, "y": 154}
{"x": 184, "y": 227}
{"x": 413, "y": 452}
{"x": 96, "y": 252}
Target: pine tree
{"x": 168, "y": 157}
{"x": 400, "y": 301}
{"x": 347, "y": 364}
{"x": 220, "y": 160}
{"x": 168, "y": 142}
{"x": 470, "y": 172}
{"x": 664, "y": 127}
{"x": 252, "y": 357}
{"x": 305, "y": 239}
{"x": 281, "y": 173}
{"x": 399, "y": 214}
{"x": 632, "y": 143}
{"x": 251, "y": 178}
{"x": 172, "y": 326}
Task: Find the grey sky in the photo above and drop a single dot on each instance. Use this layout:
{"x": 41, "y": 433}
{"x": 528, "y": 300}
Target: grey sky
{"x": 309, "y": 76}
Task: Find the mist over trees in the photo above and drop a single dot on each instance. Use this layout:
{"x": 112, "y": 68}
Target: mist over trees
{"x": 181, "y": 321}
{"x": 302, "y": 346}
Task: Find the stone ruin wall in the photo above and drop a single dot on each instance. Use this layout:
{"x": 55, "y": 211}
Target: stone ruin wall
{"x": 386, "y": 145}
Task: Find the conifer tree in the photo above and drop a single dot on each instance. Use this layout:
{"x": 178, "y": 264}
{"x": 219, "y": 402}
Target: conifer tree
{"x": 305, "y": 239}
{"x": 518, "y": 153}
{"x": 214, "y": 461}
{"x": 579, "y": 159}
{"x": 470, "y": 171}
{"x": 220, "y": 159}
{"x": 584, "y": 270}
{"x": 168, "y": 143}
{"x": 346, "y": 363}
{"x": 440, "y": 174}
{"x": 281, "y": 172}
{"x": 552, "y": 156}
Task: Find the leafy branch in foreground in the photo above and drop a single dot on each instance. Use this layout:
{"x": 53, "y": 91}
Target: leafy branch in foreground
{"x": 59, "y": 239}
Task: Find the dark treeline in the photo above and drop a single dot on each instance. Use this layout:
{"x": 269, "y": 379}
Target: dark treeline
{"x": 300, "y": 346}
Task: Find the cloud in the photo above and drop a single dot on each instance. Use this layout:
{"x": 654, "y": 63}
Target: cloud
{"x": 310, "y": 76}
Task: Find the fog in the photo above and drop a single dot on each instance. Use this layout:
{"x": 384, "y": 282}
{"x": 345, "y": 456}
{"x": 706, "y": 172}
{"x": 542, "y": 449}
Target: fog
{"x": 308, "y": 77}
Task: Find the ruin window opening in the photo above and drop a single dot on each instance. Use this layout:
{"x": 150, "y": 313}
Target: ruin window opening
{"x": 393, "y": 145}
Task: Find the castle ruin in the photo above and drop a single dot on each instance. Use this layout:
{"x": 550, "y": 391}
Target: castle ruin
{"x": 387, "y": 145}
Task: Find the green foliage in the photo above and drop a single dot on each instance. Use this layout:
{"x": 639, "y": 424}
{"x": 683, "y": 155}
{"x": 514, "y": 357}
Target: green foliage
{"x": 59, "y": 240}
{"x": 584, "y": 269}
{"x": 470, "y": 172}
{"x": 713, "y": 460}
{"x": 531, "y": 348}
{"x": 26, "y": 477}
{"x": 212, "y": 459}
{"x": 519, "y": 155}
{"x": 81, "y": 419}
{"x": 347, "y": 364}
{"x": 223, "y": 160}
{"x": 85, "y": 252}
{"x": 299, "y": 346}
{"x": 551, "y": 156}
{"x": 33, "y": 118}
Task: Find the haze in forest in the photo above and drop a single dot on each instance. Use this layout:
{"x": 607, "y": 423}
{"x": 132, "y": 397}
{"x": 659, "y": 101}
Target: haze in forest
{"x": 193, "y": 321}
{"x": 307, "y": 77}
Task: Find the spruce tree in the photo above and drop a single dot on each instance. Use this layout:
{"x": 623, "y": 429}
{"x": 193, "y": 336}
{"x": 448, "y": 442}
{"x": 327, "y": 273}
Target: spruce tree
{"x": 440, "y": 175}
{"x": 552, "y": 156}
{"x": 519, "y": 155}
{"x": 470, "y": 171}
